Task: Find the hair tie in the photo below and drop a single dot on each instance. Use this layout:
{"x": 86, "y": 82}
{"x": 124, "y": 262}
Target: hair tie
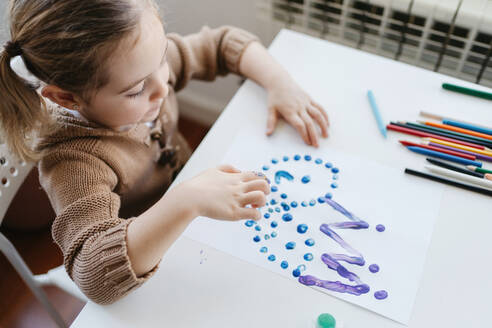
{"x": 13, "y": 49}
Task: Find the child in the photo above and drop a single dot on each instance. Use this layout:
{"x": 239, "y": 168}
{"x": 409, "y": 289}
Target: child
{"x": 99, "y": 113}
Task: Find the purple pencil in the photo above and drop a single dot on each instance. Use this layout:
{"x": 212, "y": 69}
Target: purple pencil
{"x": 479, "y": 156}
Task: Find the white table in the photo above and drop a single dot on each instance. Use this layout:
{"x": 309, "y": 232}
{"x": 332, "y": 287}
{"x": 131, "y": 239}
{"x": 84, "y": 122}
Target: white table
{"x": 198, "y": 286}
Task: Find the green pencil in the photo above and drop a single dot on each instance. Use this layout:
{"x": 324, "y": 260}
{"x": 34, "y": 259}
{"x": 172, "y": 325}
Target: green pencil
{"x": 478, "y": 169}
{"x": 467, "y": 91}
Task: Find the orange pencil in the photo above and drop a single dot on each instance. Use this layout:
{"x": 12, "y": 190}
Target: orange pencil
{"x": 455, "y": 129}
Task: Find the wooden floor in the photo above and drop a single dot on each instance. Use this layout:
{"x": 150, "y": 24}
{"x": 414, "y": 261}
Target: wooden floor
{"x": 18, "y": 306}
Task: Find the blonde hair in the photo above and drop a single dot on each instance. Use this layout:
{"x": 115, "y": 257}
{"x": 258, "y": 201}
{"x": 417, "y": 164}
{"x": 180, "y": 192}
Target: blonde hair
{"x": 63, "y": 43}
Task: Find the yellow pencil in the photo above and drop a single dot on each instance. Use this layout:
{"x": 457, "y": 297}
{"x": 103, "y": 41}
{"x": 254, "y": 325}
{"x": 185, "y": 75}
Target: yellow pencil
{"x": 455, "y": 145}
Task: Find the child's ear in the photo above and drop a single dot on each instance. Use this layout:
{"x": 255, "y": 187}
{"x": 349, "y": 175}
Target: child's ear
{"x": 61, "y": 97}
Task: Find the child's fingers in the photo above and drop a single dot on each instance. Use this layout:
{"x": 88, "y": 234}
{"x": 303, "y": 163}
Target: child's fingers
{"x": 299, "y": 125}
{"x": 272, "y": 120}
{"x": 251, "y": 175}
{"x": 228, "y": 168}
{"x": 322, "y": 110}
{"x": 320, "y": 119}
{"x": 248, "y": 213}
{"x": 261, "y": 185}
{"x": 311, "y": 128}
{"x": 254, "y": 198}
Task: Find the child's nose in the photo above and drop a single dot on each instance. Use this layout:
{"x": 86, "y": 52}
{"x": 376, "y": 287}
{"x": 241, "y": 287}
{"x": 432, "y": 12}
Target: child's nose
{"x": 161, "y": 91}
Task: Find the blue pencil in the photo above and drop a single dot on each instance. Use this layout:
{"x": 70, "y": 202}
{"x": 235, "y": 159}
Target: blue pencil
{"x": 467, "y": 126}
{"x": 450, "y": 158}
{"x": 377, "y": 114}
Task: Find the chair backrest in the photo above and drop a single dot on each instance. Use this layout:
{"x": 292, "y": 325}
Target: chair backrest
{"x": 12, "y": 174}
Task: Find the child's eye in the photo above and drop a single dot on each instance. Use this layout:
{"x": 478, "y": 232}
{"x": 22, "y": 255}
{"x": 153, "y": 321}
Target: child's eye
{"x": 138, "y": 93}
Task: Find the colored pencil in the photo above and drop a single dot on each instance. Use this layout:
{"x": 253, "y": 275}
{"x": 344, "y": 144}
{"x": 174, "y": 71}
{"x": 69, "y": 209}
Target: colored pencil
{"x": 467, "y": 91}
{"x": 467, "y": 126}
{"x": 456, "y": 129}
{"x": 450, "y": 158}
{"x": 456, "y": 145}
{"x": 442, "y": 118}
{"x": 478, "y": 169}
{"x": 478, "y": 156}
{"x": 449, "y": 182}
{"x": 442, "y": 136}
{"x": 442, "y": 150}
{"x": 454, "y": 168}
{"x": 460, "y": 176}
{"x": 376, "y": 112}
{"x": 449, "y": 134}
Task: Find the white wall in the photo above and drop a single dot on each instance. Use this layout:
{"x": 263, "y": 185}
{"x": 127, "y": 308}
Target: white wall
{"x": 202, "y": 101}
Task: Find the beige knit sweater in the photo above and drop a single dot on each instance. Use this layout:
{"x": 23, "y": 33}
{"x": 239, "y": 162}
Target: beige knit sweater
{"x": 98, "y": 180}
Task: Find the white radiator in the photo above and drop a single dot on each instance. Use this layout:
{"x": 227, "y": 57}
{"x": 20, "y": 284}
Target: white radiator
{"x": 452, "y": 37}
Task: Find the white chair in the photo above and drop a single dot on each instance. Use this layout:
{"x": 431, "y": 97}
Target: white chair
{"x": 12, "y": 174}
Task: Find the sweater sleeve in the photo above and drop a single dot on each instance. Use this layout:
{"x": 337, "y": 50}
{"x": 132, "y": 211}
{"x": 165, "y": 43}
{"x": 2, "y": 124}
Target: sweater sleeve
{"x": 206, "y": 54}
{"x": 87, "y": 228}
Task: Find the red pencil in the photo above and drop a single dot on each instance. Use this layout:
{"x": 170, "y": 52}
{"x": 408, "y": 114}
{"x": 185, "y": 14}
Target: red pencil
{"x": 425, "y": 134}
{"x": 441, "y": 150}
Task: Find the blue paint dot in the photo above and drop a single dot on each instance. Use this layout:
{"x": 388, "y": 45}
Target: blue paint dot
{"x": 335, "y": 176}
{"x": 308, "y": 257}
{"x": 321, "y": 200}
{"x": 290, "y": 245}
{"x": 334, "y": 185}
{"x": 286, "y": 158}
{"x": 271, "y": 258}
{"x": 284, "y": 196}
{"x": 266, "y": 215}
{"x": 296, "y": 273}
{"x": 293, "y": 204}
{"x": 380, "y": 228}
{"x": 274, "y": 161}
{"x": 267, "y": 237}
{"x": 309, "y": 242}
{"x": 307, "y": 157}
{"x": 285, "y": 207}
{"x": 328, "y": 195}
{"x": 297, "y": 157}
{"x": 318, "y": 161}
{"x": 257, "y": 228}
{"x": 274, "y": 224}
{"x": 257, "y": 239}
{"x": 270, "y": 210}
{"x": 374, "y": 268}
{"x": 274, "y": 188}
{"x": 301, "y": 267}
{"x": 302, "y": 228}
{"x": 304, "y": 203}
{"x": 312, "y": 202}
{"x": 287, "y": 217}
{"x": 328, "y": 165}
{"x": 263, "y": 249}
{"x": 335, "y": 170}
{"x": 273, "y": 202}
{"x": 273, "y": 234}
{"x": 277, "y": 209}
{"x": 265, "y": 167}
{"x": 306, "y": 179}
{"x": 249, "y": 223}
{"x": 284, "y": 264}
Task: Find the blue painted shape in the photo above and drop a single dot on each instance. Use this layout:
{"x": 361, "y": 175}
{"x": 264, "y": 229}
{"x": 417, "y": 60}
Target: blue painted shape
{"x": 256, "y": 239}
{"x": 283, "y": 174}
{"x": 308, "y": 257}
{"x": 304, "y": 203}
{"x": 263, "y": 249}
{"x": 249, "y": 223}
{"x": 302, "y": 228}
{"x": 328, "y": 195}
{"x": 334, "y": 185}
{"x": 273, "y": 202}
{"x": 274, "y": 224}
{"x": 267, "y": 236}
{"x": 293, "y": 204}
{"x": 309, "y": 242}
{"x": 271, "y": 258}
{"x": 318, "y": 161}
{"x": 305, "y": 179}
{"x": 285, "y": 158}
{"x": 266, "y": 215}
{"x": 328, "y": 165}
{"x": 284, "y": 195}
{"x": 265, "y": 167}
{"x": 287, "y": 217}
{"x": 274, "y": 188}
{"x": 273, "y": 234}
{"x": 335, "y": 170}
{"x": 312, "y": 202}
{"x": 257, "y": 228}
{"x": 321, "y": 200}
{"x": 274, "y": 161}
{"x": 284, "y": 264}
{"x": 296, "y": 273}
{"x": 290, "y": 245}
{"x": 297, "y": 157}
{"x": 307, "y": 157}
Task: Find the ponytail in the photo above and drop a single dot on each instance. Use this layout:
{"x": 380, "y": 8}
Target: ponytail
{"x": 23, "y": 113}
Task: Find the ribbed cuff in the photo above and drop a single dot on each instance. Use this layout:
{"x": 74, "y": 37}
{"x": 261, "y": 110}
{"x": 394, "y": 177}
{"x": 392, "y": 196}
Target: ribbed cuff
{"x": 237, "y": 41}
{"x": 103, "y": 271}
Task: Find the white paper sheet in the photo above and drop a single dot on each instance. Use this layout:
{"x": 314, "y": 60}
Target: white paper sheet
{"x": 407, "y": 207}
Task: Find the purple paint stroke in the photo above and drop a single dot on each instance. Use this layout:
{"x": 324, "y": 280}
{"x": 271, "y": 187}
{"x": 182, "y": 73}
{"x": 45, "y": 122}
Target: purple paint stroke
{"x": 381, "y": 294}
{"x": 333, "y": 260}
{"x": 335, "y": 286}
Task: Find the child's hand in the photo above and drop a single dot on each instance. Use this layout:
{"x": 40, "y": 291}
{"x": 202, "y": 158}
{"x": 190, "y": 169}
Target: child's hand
{"x": 289, "y": 101}
{"x": 224, "y": 192}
